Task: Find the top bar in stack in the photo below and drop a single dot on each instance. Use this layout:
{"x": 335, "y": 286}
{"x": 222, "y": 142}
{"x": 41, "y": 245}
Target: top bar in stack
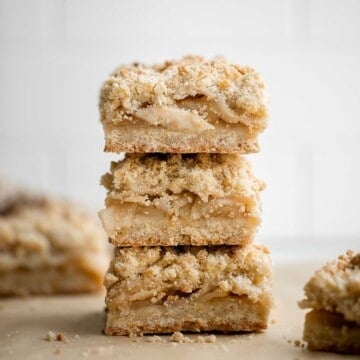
{"x": 185, "y": 106}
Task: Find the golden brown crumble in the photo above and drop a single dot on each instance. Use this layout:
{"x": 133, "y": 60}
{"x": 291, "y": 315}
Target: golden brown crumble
{"x": 185, "y": 95}
{"x": 142, "y": 178}
{"x": 159, "y": 274}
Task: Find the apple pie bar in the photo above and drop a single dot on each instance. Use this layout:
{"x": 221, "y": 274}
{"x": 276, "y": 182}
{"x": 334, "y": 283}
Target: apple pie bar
{"x": 186, "y": 106}
{"x": 49, "y": 246}
{"x": 181, "y": 199}
{"x": 333, "y": 294}
{"x": 188, "y": 288}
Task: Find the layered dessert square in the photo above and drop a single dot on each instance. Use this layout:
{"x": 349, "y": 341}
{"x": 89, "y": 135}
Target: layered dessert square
{"x": 181, "y": 199}
{"x": 188, "y": 288}
{"x": 49, "y": 246}
{"x": 186, "y": 106}
{"x": 333, "y": 294}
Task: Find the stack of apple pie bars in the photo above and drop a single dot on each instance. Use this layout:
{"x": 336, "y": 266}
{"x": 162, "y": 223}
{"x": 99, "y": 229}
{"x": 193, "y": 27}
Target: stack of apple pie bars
{"x": 183, "y": 206}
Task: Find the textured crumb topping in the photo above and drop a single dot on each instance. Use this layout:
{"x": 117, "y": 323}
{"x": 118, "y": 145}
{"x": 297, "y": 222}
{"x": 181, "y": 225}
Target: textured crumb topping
{"x": 336, "y": 287}
{"x": 183, "y": 186}
{"x": 162, "y": 274}
{"x": 37, "y": 231}
{"x": 144, "y": 177}
{"x": 189, "y": 94}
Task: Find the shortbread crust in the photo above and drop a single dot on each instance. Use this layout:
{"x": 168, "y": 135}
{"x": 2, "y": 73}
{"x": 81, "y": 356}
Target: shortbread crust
{"x": 49, "y": 246}
{"x": 328, "y": 331}
{"x": 188, "y": 288}
{"x": 190, "y": 105}
{"x": 181, "y": 199}
{"x": 334, "y": 295}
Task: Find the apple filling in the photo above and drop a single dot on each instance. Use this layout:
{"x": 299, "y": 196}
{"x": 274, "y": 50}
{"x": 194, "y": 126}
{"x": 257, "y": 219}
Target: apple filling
{"x": 193, "y": 113}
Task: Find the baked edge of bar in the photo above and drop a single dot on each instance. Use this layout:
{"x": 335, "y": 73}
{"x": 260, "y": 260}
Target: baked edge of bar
{"x": 198, "y": 324}
{"x": 154, "y": 241}
{"x": 331, "y": 342}
{"x": 185, "y": 144}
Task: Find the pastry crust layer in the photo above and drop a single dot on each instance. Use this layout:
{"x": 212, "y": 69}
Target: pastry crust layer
{"x": 229, "y": 314}
{"x": 181, "y": 199}
{"x": 190, "y": 105}
{"x": 165, "y": 289}
{"x": 143, "y": 138}
{"x": 327, "y": 331}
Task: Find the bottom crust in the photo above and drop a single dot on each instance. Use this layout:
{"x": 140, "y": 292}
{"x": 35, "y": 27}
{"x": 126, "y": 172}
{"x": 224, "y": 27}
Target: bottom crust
{"x": 142, "y": 137}
{"x": 229, "y": 314}
{"x": 49, "y": 281}
{"x": 326, "y": 331}
{"x": 197, "y": 233}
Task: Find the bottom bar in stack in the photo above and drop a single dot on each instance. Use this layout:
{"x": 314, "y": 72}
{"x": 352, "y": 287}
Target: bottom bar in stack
{"x": 188, "y": 288}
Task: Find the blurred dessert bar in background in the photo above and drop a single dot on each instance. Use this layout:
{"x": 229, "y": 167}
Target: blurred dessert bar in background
{"x": 48, "y": 246}
{"x": 333, "y": 294}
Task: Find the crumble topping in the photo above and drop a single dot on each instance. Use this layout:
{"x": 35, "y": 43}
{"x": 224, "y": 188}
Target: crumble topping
{"x": 162, "y": 274}
{"x": 188, "y": 94}
{"x": 142, "y": 178}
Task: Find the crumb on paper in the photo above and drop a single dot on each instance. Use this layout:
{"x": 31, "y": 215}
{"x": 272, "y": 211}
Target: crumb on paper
{"x": 99, "y": 350}
{"x": 135, "y": 337}
{"x": 77, "y": 337}
{"x": 241, "y": 338}
{"x": 273, "y": 321}
{"x": 61, "y": 337}
{"x": 53, "y": 336}
{"x": 155, "y": 339}
{"x": 104, "y": 350}
{"x": 50, "y": 336}
{"x": 297, "y": 343}
{"x": 57, "y": 351}
{"x": 206, "y": 339}
{"x": 179, "y": 337}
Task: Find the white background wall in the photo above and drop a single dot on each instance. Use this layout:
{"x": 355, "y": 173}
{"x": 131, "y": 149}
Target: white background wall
{"x": 55, "y": 54}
